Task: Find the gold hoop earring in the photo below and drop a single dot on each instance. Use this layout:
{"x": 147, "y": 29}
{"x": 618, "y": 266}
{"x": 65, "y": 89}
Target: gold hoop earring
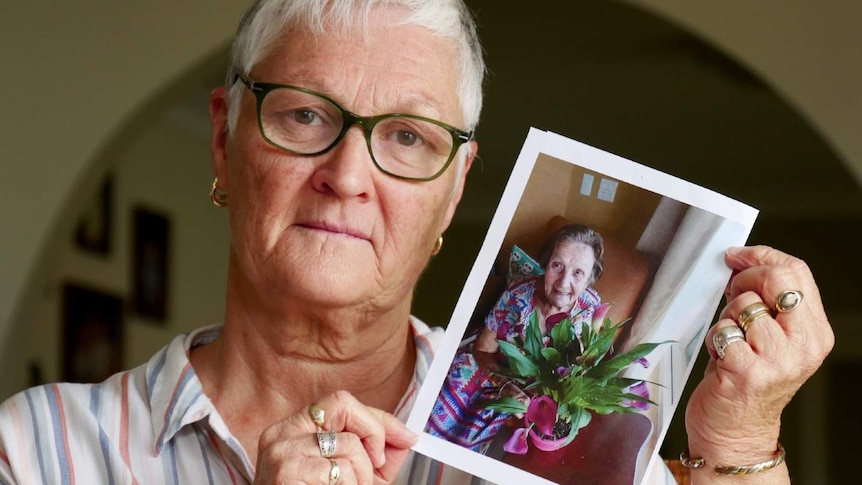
{"x": 218, "y": 196}
{"x": 438, "y": 244}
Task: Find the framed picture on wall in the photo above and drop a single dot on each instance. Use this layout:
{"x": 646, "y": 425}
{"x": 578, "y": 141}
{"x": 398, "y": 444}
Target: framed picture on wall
{"x": 150, "y": 259}
{"x": 93, "y": 228}
{"x": 92, "y": 327}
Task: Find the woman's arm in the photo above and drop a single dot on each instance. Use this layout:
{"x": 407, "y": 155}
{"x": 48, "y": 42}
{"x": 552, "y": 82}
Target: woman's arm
{"x": 485, "y": 349}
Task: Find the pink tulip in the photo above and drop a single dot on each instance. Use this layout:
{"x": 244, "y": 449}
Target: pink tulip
{"x": 641, "y": 390}
{"x": 517, "y": 443}
{"x": 600, "y": 313}
{"x": 543, "y": 414}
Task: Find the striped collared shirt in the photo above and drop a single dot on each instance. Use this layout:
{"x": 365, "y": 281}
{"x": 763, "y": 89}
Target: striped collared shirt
{"x": 154, "y": 425}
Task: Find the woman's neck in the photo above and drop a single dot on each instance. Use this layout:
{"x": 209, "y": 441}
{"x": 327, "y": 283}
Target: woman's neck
{"x": 266, "y": 366}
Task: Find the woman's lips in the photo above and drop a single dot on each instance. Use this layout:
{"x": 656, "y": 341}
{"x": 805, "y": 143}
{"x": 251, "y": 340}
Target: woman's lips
{"x": 338, "y": 229}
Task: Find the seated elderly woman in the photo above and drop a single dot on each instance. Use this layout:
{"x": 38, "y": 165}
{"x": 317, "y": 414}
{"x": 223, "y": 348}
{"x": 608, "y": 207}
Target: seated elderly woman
{"x": 573, "y": 260}
{"x": 340, "y": 145}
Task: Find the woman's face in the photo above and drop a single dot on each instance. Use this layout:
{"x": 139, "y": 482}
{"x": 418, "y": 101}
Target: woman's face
{"x": 334, "y": 230}
{"x": 567, "y": 274}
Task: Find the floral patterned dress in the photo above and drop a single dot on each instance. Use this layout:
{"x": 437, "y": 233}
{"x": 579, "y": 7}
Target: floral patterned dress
{"x": 454, "y": 416}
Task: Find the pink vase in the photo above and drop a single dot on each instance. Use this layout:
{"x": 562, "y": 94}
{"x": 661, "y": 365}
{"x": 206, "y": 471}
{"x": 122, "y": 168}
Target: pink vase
{"x": 546, "y": 444}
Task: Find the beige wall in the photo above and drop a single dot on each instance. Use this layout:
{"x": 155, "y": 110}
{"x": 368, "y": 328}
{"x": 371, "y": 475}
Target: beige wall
{"x": 553, "y": 189}
{"x": 73, "y": 73}
{"x": 166, "y": 170}
{"x": 808, "y": 52}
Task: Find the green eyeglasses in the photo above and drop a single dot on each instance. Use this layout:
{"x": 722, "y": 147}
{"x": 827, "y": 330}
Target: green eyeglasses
{"x": 303, "y": 122}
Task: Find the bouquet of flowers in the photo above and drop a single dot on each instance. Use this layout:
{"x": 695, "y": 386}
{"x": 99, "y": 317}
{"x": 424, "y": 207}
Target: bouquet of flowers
{"x": 564, "y": 378}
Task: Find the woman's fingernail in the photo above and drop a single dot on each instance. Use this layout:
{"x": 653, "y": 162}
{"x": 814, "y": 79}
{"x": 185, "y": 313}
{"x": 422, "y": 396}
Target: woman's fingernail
{"x": 733, "y": 251}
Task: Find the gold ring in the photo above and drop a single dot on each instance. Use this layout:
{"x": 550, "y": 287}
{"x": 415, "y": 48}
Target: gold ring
{"x": 316, "y": 415}
{"x": 751, "y": 313}
{"x": 788, "y": 300}
{"x": 334, "y": 472}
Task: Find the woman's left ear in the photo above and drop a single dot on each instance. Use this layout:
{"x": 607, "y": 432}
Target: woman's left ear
{"x": 219, "y": 136}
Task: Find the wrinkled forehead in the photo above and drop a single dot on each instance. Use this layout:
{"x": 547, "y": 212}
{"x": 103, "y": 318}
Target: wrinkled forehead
{"x": 568, "y": 249}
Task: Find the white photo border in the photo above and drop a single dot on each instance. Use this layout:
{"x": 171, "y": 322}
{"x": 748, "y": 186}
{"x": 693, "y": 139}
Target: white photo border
{"x": 710, "y": 268}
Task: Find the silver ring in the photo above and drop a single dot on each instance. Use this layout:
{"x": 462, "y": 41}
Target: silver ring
{"x": 334, "y": 472}
{"x": 788, "y": 300}
{"x": 726, "y": 336}
{"x": 326, "y": 441}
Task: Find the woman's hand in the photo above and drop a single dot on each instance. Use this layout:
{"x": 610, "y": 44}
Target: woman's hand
{"x": 371, "y": 445}
{"x": 734, "y": 415}
{"x": 485, "y": 351}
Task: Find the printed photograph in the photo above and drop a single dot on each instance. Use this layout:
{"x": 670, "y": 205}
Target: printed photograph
{"x": 580, "y": 322}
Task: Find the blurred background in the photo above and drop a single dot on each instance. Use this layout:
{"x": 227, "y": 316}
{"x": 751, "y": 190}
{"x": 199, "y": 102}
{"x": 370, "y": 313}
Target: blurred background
{"x": 109, "y": 245}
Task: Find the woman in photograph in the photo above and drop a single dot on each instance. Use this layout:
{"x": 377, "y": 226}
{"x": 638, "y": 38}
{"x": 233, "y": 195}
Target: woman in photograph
{"x": 572, "y": 259}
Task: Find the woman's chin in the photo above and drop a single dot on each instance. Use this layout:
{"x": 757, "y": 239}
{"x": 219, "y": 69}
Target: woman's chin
{"x": 332, "y": 290}
{"x": 561, "y": 303}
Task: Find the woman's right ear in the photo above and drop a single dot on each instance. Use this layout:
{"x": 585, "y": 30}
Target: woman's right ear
{"x": 219, "y": 138}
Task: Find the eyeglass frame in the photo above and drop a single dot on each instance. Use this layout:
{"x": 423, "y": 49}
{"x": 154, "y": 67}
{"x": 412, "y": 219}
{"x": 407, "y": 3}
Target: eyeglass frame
{"x": 260, "y": 90}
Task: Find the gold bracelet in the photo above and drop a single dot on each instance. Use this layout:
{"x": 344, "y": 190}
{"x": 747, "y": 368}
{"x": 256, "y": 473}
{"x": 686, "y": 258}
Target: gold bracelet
{"x": 698, "y": 462}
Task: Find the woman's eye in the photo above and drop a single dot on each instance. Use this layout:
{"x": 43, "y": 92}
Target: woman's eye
{"x": 407, "y": 138}
{"x": 306, "y": 117}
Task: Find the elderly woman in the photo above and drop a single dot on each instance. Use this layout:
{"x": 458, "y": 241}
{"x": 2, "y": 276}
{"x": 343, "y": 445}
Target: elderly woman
{"x": 573, "y": 260}
{"x": 340, "y": 147}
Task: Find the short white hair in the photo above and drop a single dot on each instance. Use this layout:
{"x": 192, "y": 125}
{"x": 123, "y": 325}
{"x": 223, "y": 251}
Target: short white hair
{"x": 266, "y": 20}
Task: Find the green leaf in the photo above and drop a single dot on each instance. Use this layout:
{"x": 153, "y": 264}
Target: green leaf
{"x": 638, "y": 398}
{"x": 613, "y": 366}
{"x": 561, "y": 335}
{"x": 601, "y": 343}
{"x": 522, "y": 364}
{"x": 580, "y": 417}
{"x": 563, "y": 409}
{"x": 551, "y": 355}
{"x": 587, "y": 335}
{"x": 533, "y": 337}
{"x": 506, "y": 404}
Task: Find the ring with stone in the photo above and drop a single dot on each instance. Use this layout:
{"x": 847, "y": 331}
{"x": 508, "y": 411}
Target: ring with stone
{"x": 726, "y": 336}
{"x": 326, "y": 441}
{"x": 751, "y": 313}
{"x": 334, "y": 472}
{"x": 317, "y": 415}
{"x": 788, "y": 300}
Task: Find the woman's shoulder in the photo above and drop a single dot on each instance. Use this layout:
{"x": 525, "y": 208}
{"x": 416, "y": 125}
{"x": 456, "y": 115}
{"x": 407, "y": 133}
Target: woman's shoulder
{"x": 589, "y": 298}
{"x": 525, "y": 286}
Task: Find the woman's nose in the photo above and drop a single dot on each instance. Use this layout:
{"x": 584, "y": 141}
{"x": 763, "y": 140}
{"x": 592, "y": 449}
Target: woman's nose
{"x": 346, "y": 170}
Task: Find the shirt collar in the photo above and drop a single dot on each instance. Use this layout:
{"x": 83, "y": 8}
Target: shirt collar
{"x": 174, "y": 390}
